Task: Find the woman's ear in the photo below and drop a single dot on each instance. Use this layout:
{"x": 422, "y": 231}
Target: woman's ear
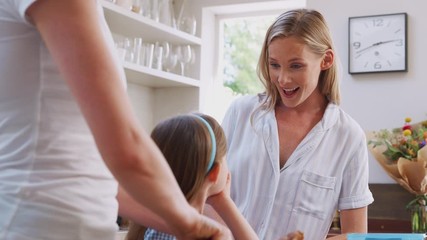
{"x": 214, "y": 173}
{"x": 328, "y": 59}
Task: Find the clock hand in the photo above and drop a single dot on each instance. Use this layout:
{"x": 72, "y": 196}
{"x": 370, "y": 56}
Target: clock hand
{"x": 389, "y": 41}
{"x": 376, "y": 44}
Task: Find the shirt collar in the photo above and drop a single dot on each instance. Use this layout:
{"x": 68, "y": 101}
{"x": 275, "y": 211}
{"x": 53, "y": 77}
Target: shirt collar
{"x": 330, "y": 117}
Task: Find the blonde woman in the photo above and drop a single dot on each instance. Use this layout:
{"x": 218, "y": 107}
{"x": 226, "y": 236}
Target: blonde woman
{"x": 294, "y": 154}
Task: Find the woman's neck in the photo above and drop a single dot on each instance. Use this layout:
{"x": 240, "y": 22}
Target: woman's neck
{"x": 305, "y": 116}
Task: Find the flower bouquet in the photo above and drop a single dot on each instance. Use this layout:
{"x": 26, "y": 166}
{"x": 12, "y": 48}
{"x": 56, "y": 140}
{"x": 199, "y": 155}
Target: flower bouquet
{"x": 401, "y": 152}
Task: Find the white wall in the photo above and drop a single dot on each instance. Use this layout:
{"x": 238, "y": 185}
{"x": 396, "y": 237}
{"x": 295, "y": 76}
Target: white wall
{"x": 142, "y": 102}
{"x": 381, "y": 100}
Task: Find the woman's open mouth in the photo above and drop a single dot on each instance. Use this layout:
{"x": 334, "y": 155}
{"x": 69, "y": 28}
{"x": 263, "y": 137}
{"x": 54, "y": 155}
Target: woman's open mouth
{"x": 289, "y": 92}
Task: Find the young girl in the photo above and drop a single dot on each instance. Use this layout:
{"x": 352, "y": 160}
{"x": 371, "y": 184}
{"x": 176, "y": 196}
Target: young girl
{"x": 195, "y": 148}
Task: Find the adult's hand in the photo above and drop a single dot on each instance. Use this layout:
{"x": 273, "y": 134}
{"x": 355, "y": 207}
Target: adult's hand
{"x": 206, "y": 228}
{"x": 192, "y": 226}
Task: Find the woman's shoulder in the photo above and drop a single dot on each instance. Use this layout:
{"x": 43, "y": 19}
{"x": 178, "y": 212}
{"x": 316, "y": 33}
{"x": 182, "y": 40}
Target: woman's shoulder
{"x": 240, "y": 110}
{"x": 344, "y": 122}
{"x": 247, "y": 102}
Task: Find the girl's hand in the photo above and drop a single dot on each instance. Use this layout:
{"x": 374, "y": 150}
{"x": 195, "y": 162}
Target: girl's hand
{"x": 222, "y": 196}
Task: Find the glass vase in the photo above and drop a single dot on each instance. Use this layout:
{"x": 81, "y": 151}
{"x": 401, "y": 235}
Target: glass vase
{"x": 419, "y": 219}
{"x": 418, "y": 210}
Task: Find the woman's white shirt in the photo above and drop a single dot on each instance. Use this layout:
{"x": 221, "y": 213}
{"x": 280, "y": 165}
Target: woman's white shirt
{"x": 327, "y": 171}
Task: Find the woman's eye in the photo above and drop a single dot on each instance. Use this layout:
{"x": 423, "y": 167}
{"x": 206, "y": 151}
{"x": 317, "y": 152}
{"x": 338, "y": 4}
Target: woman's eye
{"x": 274, "y": 65}
{"x": 296, "y": 66}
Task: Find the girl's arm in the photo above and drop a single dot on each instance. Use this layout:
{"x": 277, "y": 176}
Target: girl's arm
{"x": 231, "y": 216}
{"x": 72, "y": 32}
{"x": 225, "y": 211}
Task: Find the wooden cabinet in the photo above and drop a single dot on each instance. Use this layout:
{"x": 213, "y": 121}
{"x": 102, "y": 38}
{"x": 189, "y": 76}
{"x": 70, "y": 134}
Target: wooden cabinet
{"x": 156, "y": 94}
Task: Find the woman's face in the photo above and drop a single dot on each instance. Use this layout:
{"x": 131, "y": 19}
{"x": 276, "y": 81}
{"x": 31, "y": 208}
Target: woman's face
{"x": 294, "y": 70}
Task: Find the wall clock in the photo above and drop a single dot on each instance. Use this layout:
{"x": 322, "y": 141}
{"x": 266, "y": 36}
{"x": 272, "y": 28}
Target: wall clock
{"x": 378, "y": 43}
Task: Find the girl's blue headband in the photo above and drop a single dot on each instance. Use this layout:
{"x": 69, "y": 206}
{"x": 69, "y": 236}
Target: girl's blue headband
{"x": 213, "y": 140}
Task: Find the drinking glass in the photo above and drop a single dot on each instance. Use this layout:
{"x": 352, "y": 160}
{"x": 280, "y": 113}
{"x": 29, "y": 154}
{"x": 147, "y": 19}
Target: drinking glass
{"x": 166, "y": 49}
{"x": 184, "y": 56}
{"x": 158, "y": 56}
{"x": 155, "y": 10}
{"x": 188, "y": 24}
{"x": 148, "y": 54}
{"x": 137, "y": 49}
{"x": 166, "y": 13}
{"x": 119, "y": 44}
{"x": 127, "y": 4}
{"x": 171, "y": 60}
{"x": 129, "y": 51}
{"x": 137, "y": 6}
{"x": 146, "y": 8}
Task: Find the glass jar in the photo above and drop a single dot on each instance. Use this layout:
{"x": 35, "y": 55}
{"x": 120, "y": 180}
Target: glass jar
{"x": 418, "y": 210}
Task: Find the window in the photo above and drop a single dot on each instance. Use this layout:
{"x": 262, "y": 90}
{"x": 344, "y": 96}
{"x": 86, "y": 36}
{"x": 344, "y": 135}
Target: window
{"x": 242, "y": 40}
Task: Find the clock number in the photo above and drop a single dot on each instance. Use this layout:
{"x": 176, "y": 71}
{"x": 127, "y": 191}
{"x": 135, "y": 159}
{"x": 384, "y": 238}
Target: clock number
{"x": 399, "y": 42}
{"x": 356, "y": 45}
{"x": 377, "y": 65}
{"x": 378, "y": 22}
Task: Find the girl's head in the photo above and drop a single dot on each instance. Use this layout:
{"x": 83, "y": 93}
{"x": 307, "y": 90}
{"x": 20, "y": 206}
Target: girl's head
{"x": 282, "y": 73}
{"x": 186, "y": 143}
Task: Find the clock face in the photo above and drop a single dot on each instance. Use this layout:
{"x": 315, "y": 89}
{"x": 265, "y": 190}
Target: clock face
{"x": 378, "y": 43}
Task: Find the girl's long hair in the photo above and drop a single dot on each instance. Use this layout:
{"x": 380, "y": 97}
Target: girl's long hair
{"x": 185, "y": 142}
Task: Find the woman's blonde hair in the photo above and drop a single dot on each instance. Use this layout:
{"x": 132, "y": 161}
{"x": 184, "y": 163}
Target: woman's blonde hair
{"x": 310, "y": 27}
{"x": 185, "y": 141}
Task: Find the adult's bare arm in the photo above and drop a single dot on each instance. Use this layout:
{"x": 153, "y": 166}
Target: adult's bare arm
{"x": 352, "y": 221}
{"x": 73, "y": 36}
